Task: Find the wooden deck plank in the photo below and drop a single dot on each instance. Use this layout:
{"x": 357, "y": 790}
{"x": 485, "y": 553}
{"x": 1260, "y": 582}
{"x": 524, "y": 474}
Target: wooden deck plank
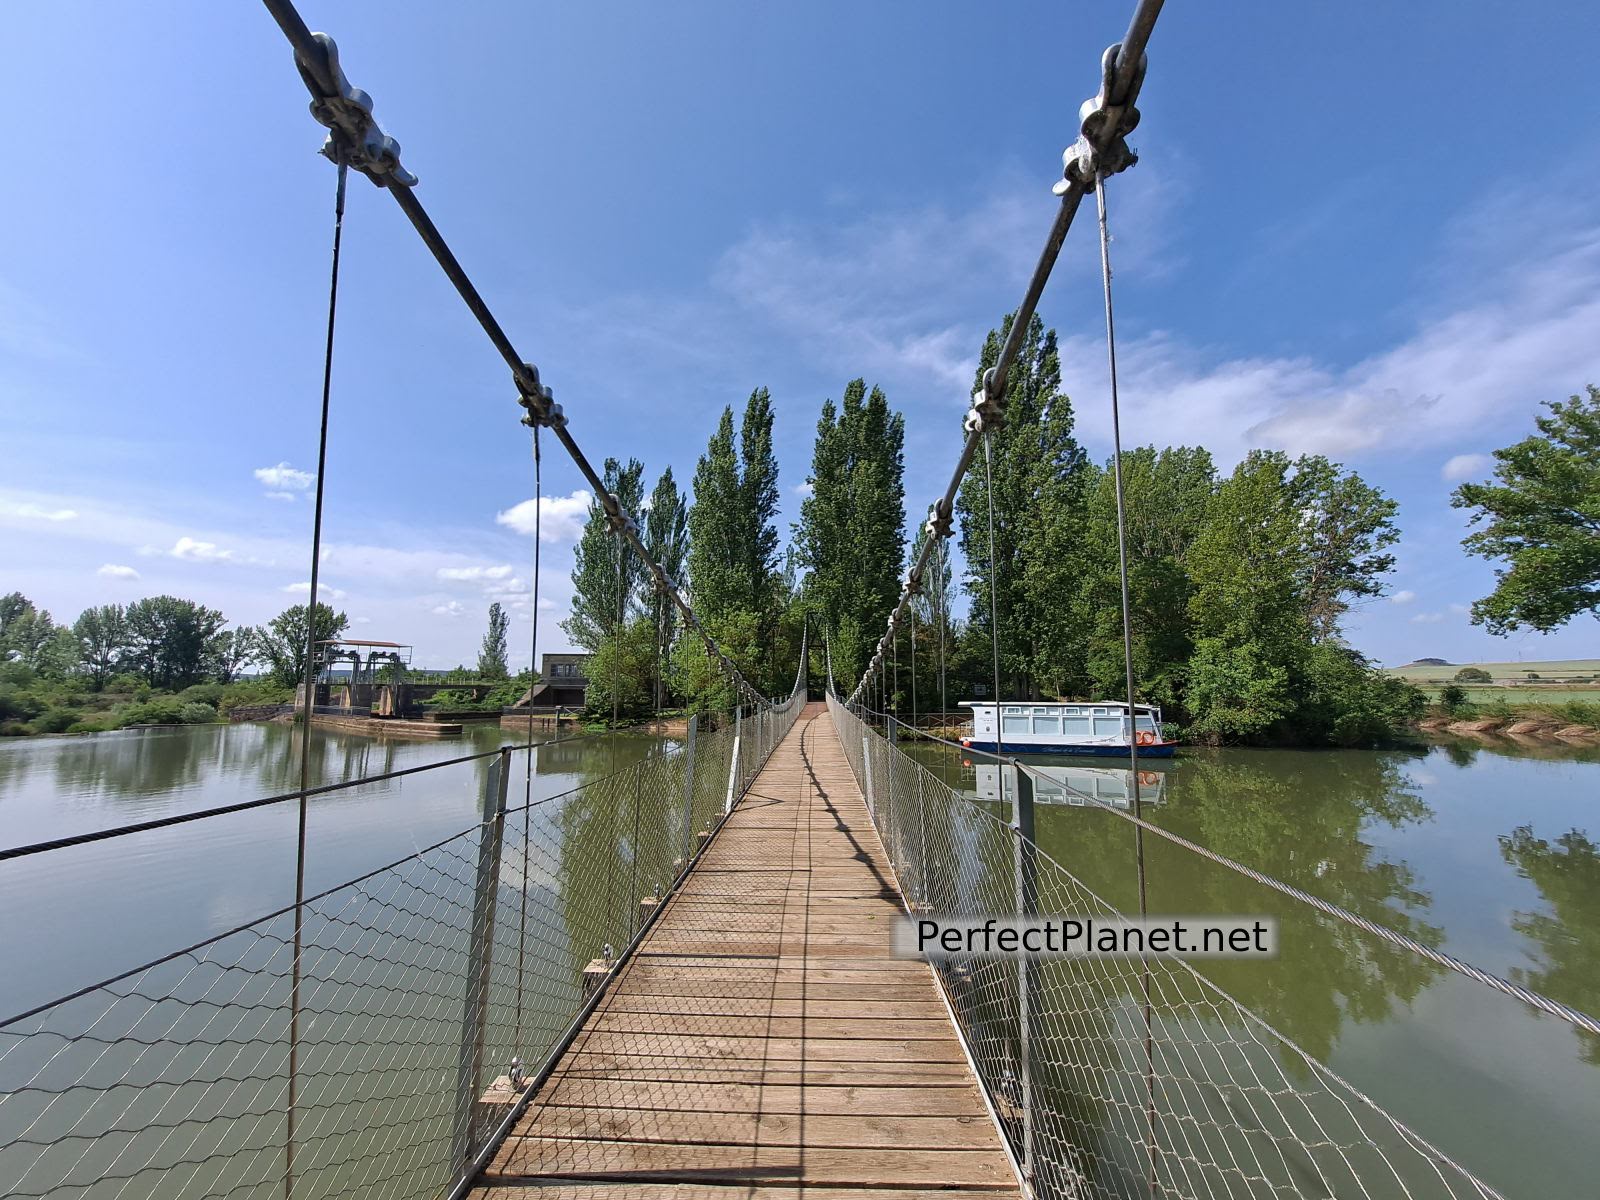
{"x": 763, "y": 1044}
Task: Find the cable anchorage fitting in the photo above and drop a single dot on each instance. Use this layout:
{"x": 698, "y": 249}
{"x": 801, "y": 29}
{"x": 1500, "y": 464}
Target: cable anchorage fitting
{"x": 1102, "y": 149}
{"x": 538, "y": 399}
{"x": 354, "y": 137}
{"x": 938, "y": 523}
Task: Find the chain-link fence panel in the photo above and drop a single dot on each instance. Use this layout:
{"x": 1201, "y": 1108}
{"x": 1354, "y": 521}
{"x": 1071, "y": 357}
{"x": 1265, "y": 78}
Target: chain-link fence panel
{"x": 1123, "y": 1076}
{"x": 431, "y": 993}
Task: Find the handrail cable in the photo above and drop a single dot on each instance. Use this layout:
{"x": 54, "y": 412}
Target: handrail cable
{"x": 1101, "y": 148}
{"x": 354, "y": 135}
{"x": 1543, "y": 1003}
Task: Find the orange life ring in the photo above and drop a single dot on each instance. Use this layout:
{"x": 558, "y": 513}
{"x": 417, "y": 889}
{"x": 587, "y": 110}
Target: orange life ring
{"x": 1145, "y": 737}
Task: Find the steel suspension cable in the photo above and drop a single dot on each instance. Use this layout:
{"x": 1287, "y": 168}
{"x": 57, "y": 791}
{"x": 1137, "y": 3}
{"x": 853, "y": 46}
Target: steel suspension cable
{"x": 356, "y": 138}
{"x": 1101, "y": 146}
{"x": 1127, "y": 653}
{"x": 309, "y": 683}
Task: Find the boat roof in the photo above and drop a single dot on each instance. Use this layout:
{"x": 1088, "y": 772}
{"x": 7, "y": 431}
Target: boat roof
{"x": 1058, "y": 704}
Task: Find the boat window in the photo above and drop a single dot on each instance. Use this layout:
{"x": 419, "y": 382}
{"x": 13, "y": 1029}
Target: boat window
{"x": 1145, "y": 723}
{"x": 1077, "y": 725}
{"x": 1010, "y": 711}
{"x": 1050, "y": 725}
{"x": 1107, "y": 726}
{"x": 1100, "y": 712}
{"x": 1015, "y": 724}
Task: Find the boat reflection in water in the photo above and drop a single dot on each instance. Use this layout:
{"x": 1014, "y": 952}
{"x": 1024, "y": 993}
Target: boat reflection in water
{"x": 1081, "y": 786}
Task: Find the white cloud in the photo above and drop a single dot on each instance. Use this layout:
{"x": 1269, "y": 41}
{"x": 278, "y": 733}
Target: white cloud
{"x": 283, "y": 478}
{"x": 324, "y": 592}
{"x": 192, "y": 550}
{"x": 1467, "y": 466}
{"x": 285, "y": 496}
{"x": 451, "y": 608}
{"x": 474, "y": 574}
{"x": 1483, "y": 362}
{"x": 803, "y": 489}
{"x": 117, "y": 571}
{"x": 1403, "y": 596}
{"x": 1427, "y": 618}
{"x": 561, "y": 517}
{"x": 35, "y": 512}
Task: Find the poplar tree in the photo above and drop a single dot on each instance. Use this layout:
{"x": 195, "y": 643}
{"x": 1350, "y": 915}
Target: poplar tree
{"x": 1039, "y": 475}
{"x": 597, "y": 593}
{"x": 666, "y": 535}
{"x": 492, "y": 656}
{"x": 851, "y": 536}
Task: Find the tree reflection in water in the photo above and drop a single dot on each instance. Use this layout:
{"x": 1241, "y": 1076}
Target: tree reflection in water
{"x": 1567, "y": 874}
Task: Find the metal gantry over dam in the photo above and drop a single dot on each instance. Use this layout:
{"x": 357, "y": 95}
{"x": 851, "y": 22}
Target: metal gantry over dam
{"x": 674, "y": 980}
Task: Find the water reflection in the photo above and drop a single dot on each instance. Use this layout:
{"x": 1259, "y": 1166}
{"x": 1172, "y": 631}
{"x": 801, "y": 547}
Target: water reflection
{"x": 1567, "y": 874}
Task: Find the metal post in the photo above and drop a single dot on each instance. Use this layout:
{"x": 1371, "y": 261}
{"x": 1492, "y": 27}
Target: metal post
{"x": 890, "y": 737}
{"x": 688, "y": 792}
{"x": 475, "y": 1006}
{"x": 733, "y": 768}
{"x": 866, "y": 776}
{"x": 1027, "y": 899}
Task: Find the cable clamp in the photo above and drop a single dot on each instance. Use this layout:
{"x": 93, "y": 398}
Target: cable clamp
{"x": 1102, "y": 149}
{"x": 353, "y": 135}
{"x": 938, "y": 523}
{"x": 619, "y": 520}
{"x": 988, "y": 411}
{"x": 537, "y": 399}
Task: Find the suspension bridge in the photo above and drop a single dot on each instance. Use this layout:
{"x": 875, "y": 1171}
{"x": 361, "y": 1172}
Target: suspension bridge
{"x": 675, "y": 979}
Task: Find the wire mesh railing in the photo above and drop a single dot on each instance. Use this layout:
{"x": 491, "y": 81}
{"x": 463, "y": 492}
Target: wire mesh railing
{"x": 1122, "y": 1077}
{"x": 435, "y": 990}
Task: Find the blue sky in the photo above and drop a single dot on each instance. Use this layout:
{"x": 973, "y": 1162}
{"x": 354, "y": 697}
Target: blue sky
{"x": 1366, "y": 230}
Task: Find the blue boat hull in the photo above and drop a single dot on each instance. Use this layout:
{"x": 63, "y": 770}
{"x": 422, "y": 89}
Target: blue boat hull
{"x": 1160, "y": 750}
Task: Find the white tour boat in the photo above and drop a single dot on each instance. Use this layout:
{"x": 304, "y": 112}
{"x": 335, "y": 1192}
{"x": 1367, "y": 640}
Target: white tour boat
{"x": 1096, "y": 727}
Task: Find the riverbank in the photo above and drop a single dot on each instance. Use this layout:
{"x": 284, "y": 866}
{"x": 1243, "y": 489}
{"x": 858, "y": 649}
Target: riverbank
{"x": 1532, "y": 727}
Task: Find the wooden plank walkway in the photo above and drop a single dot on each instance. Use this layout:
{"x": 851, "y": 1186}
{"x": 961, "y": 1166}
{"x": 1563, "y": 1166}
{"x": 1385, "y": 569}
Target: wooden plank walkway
{"x": 763, "y": 1044}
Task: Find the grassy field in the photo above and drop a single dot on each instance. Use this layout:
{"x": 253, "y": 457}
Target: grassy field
{"x": 1550, "y": 670}
{"x": 1559, "y": 682}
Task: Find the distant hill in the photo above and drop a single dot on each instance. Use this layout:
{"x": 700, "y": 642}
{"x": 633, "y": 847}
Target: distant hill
{"x": 1429, "y": 662}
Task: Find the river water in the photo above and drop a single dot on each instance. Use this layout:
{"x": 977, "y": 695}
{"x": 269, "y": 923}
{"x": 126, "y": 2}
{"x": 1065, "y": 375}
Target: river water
{"x": 1490, "y": 854}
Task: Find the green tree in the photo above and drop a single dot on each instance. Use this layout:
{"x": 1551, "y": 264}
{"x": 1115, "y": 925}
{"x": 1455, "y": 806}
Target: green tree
{"x": 1266, "y": 598}
{"x": 1347, "y": 524}
{"x": 230, "y": 652}
{"x": 719, "y": 553}
{"x": 606, "y": 572}
{"x": 622, "y": 671}
{"x": 666, "y": 536}
{"x": 1473, "y": 675}
{"x": 733, "y": 537}
{"x": 1168, "y": 497}
{"x": 103, "y": 639}
{"x": 1453, "y": 696}
{"x": 1541, "y": 517}
{"x": 170, "y": 640}
{"x": 1039, "y": 475}
{"x": 281, "y": 644}
{"x": 851, "y": 536}
{"x": 25, "y": 631}
{"x": 492, "y": 657}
